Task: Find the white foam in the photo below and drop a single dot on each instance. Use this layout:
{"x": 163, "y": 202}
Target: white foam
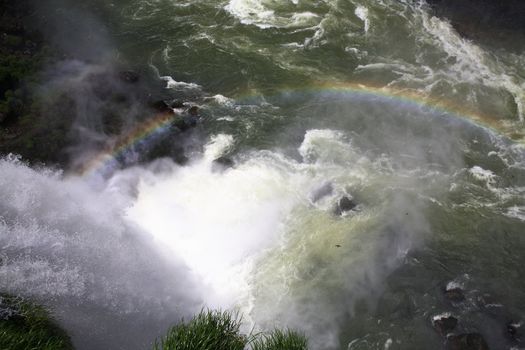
{"x": 482, "y": 174}
{"x": 362, "y": 13}
{"x": 267, "y": 14}
{"x": 252, "y": 12}
{"x": 443, "y": 315}
{"x": 226, "y": 118}
{"x": 222, "y": 100}
{"x": 217, "y": 146}
{"x": 516, "y": 212}
{"x": 217, "y": 223}
{"x": 473, "y": 64}
{"x": 179, "y": 85}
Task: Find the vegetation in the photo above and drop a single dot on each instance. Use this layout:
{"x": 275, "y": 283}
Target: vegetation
{"x": 25, "y": 326}
{"x": 25, "y": 126}
{"x": 280, "y": 340}
{"x": 220, "y": 330}
{"x": 209, "y": 330}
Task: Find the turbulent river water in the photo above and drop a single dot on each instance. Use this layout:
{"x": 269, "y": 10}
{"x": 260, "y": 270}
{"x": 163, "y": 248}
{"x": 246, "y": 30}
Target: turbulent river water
{"x": 313, "y": 100}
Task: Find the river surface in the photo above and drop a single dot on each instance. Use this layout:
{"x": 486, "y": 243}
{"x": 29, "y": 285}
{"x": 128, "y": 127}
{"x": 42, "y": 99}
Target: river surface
{"x": 376, "y": 101}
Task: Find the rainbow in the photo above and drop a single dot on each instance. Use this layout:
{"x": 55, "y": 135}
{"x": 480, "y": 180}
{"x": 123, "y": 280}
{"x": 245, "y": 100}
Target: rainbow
{"x": 408, "y": 97}
{"x": 155, "y": 125}
{"x": 140, "y": 133}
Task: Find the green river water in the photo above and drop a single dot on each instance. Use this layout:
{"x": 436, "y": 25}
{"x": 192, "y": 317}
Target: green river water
{"x": 313, "y": 100}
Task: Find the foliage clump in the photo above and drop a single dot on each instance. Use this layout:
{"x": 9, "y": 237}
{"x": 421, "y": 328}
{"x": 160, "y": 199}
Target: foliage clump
{"x": 280, "y": 340}
{"x": 220, "y": 330}
{"x": 209, "y": 330}
{"x": 24, "y": 325}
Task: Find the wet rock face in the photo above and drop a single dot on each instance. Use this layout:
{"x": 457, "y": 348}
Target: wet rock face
{"x": 344, "y": 205}
{"x": 177, "y": 104}
{"x": 445, "y": 325}
{"x": 193, "y": 111}
{"x": 160, "y": 106}
{"x": 222, "y": 163}
{"x": 455, "y": 295}
{"x": 497, "y": 23}
{"x": 514, "y": 331}
{"x": 467, "y": 341}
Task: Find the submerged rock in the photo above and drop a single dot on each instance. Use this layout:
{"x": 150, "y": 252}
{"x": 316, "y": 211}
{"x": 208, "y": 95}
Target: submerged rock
{"x": 467, "y": 341}
{"x": 177, "y": 104}
{"x": 193, "y": 111}
{"x": 444, "y": 324}
{"x": 180, "y": 159}
{"x": 513, "y": 329}
{"x": 161, "y": 106}
{"x": 455, "y": 295}
{"x": 222, "y": 163}
{"x": 178, "y": 155}
{"x": 344, "y": 205}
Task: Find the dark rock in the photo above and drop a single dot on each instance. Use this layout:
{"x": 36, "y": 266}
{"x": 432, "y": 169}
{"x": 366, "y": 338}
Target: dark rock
{"x": 338, "y": 246}
{"x": 467, "y": 341}
{"x": 185, "y": 123}
{"x": 178, "y": 155}
{"x": 344, "y": 205}
{"x": 177, "y": 104}
{"x": 221, "y": 164}
{"x": 445, "y": 325}
{"x": 455, "y": 295}
{"x": 161, "y": 106}
{"x": 129, "y": 76}
{"x": 513, "y": 329}
{"x": 180, "y": 159}
{"x": 193, "y": 111}
{"x": 120, "y": 98}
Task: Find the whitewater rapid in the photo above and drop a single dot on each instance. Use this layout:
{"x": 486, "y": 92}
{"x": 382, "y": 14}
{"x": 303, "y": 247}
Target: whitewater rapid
{"x": 161, "y": 241}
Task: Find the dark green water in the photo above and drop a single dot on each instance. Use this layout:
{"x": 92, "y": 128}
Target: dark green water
{"x": 441, "y": 197}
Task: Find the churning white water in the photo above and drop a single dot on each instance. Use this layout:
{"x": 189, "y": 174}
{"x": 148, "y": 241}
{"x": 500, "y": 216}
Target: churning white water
{"x": 159, "y": 242}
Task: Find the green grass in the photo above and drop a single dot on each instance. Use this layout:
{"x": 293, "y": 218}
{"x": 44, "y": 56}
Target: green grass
{"x": 280, "y": 340}
{"x": 209, "y": 330}
{"x": 219, "y": 330}
{"x": 25, "y": 326}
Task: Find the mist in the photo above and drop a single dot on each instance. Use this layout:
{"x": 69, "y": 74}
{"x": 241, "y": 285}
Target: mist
{"x": 157, "y": 242}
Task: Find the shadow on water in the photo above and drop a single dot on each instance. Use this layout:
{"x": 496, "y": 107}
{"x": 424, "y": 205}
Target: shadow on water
{"x": 496, "y": 23}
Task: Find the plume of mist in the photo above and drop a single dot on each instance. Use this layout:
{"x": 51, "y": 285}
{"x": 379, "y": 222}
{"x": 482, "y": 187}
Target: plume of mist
{"x": 395, "y": 160}
{"x": 72, "y": 248}
{"x": 75, "y": 31}
{"x": 98, "y": 95}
